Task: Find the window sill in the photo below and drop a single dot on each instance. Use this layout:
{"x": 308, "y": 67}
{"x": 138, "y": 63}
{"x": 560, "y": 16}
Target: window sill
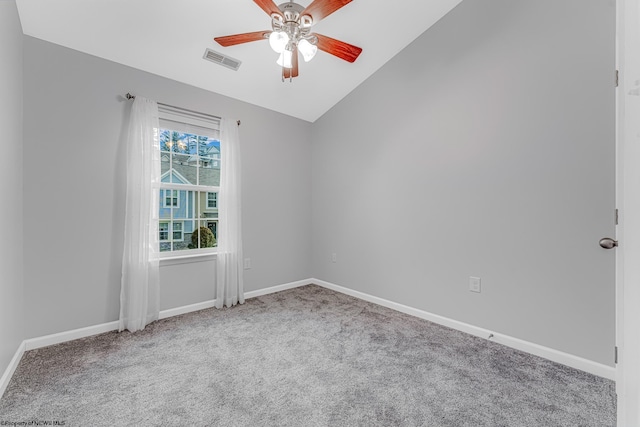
{"x": 187, "y": 259}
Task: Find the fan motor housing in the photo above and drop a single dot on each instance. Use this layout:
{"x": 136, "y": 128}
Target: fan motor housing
{"x": 290, "y": 10}
{"x": 291, "y": 22}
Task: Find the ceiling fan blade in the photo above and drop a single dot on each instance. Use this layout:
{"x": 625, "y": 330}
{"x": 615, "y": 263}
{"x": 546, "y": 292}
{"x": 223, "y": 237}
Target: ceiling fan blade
{"x": 242, "y": 38}
{"x": 342, "y": 50}
{"x": 292, "y": 72}
{"x": 320, "y": 9}
{"x": 268, "y": 6}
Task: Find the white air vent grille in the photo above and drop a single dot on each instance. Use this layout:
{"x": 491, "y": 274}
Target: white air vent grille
{"x": 218, "y": 58}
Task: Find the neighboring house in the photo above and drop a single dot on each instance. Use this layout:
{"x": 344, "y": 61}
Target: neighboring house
{"x": 210, "y": 172}
{"x": 183, "y": 211}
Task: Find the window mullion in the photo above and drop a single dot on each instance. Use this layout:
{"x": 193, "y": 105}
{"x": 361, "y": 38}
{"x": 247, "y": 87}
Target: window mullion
{"x": 197, "y": 224}
{"x": 194, "y": 210}
{"x": 209, "y": 188}
{"x": 171, "y": 222}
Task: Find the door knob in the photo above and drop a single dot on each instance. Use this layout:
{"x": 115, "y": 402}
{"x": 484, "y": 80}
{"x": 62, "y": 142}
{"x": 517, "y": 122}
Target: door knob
{"x": 608, "y": 243}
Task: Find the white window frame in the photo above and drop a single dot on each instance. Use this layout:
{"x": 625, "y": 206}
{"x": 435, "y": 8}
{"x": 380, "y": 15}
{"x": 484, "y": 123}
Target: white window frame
{"x": 185, "y": 121}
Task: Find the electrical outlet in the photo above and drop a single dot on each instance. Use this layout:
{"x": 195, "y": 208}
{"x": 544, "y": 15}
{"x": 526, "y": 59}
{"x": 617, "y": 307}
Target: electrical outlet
{"x": 247, "y": 263}
{"x": 474, "y": 284}
{"x": 334, "y": 257}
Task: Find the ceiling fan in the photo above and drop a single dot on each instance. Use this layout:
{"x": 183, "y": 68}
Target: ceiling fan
{"x": 291, "y": 33}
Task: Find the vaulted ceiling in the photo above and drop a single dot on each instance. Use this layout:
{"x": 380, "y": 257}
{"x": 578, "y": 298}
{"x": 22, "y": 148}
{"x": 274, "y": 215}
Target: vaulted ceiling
{"x": 169, "y": 38}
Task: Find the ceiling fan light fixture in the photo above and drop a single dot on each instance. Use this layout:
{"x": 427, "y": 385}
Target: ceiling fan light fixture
{"x": 278, "y": 41}
{"x": 286, "y": 59}
{"x": 291, "y": 32}
{"x": 307, "y": 50}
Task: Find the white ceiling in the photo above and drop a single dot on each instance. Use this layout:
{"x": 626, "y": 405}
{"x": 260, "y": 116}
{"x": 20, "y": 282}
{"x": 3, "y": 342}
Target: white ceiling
{"x": 169, "y": 38}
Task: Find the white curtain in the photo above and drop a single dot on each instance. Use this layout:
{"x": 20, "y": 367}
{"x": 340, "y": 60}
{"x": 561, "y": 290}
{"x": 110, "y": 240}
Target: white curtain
{"x": 229, "y": 284}
{"x": 139, "y": 293}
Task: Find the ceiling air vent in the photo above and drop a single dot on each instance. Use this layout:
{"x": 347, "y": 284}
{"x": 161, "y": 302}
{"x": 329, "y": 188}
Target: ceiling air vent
{"x": 218, "y": 58}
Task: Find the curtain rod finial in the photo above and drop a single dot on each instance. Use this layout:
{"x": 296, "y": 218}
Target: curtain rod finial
{"x": 129, "y": 96}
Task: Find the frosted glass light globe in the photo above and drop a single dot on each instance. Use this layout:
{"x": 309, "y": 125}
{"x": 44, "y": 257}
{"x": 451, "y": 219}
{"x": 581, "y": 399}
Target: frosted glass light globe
{"x": 278, "y": 41}
{"x": 285, "y": 59}
{"x": 307, "y": 50}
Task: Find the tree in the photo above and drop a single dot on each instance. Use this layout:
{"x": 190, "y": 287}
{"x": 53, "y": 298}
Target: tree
{"x": 173, "y": 141}
{"x": 207, "y": 239}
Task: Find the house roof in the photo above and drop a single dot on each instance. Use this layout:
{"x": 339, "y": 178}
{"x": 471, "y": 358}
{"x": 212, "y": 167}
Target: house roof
{"x": 189, "y": 172}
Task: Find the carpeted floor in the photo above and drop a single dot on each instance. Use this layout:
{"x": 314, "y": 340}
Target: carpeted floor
{"x": 304, "y": 357}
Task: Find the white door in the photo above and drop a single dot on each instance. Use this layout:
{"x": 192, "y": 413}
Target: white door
{"x": 628, "y": 192}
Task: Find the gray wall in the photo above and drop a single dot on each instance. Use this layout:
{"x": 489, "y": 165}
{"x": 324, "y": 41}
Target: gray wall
{"x": 11, "y": 295}
{"x": 74, "y": 181}
{"x": 486, "y": 148}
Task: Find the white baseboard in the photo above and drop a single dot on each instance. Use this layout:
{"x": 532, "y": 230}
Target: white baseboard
{"x": 8, "y": 373}
{"x": 528, "y": 347}
{"x": 47, "y": 340}
{"x": 278, "y": 288}
{"x": 186, "y": 309}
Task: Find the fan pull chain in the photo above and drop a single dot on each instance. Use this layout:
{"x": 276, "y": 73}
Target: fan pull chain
{"x": 290, "y": 75}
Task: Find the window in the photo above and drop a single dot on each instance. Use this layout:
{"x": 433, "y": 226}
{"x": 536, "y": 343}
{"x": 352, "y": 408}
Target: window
{"x": 190, "y": 181}
{"x": 176, "y": 230}
{"x": 164, "y": 231}
{"x": 212, "y": 200}
{"x": 171, "y": 198}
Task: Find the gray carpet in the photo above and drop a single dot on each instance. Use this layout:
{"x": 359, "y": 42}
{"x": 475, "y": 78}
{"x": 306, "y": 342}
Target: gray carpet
{"x": 304, "y": 357}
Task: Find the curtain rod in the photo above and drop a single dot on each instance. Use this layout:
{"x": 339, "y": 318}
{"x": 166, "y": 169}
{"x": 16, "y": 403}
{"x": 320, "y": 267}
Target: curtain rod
{"x": 129, "y": 96}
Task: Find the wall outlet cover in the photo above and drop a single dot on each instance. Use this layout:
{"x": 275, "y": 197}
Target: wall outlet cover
{"x": 474, "y": 284}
